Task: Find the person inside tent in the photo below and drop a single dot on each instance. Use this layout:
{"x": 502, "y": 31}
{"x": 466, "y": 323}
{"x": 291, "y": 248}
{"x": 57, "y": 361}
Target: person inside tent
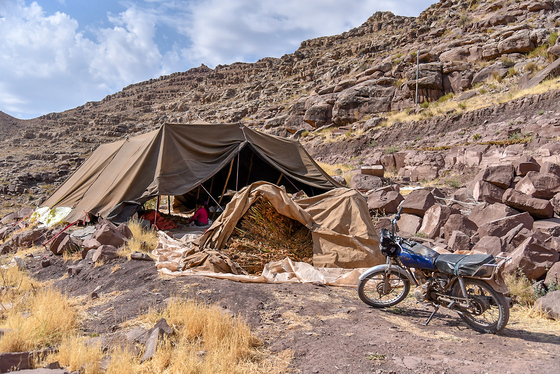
{"x": 200, "y": 217}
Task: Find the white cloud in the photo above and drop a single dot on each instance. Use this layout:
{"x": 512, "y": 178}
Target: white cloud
{"x": 49, "y": 64}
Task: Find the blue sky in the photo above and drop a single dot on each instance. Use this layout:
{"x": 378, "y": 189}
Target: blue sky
{"x": 59, "y": 54}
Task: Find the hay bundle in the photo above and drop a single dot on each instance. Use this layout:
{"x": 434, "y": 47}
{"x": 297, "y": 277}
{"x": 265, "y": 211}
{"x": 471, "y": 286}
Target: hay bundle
{"x": 264, "y": 235}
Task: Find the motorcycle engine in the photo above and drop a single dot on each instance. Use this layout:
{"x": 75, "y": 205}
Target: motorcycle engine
{"x": 421, "y": 292}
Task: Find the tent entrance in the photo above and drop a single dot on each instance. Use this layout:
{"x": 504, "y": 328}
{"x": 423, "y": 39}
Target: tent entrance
{"x": 244, "y": 169}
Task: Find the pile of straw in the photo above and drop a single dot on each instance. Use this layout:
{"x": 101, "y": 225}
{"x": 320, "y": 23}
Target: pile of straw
{"x": 264, "y": 235}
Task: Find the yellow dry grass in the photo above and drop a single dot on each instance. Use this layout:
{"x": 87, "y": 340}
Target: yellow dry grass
{"x": 34, "y": 316}
{"x": 204, "y": 340}
{"x": 142, "y": 240}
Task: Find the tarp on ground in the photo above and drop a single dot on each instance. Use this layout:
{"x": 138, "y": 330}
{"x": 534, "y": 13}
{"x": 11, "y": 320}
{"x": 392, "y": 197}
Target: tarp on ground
{"x": 339, "y": 221}
{"x": 176, "y": 159}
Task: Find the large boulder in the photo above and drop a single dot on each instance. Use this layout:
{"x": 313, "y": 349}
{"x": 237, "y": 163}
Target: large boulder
{"x": 539, "y": 185}
{"x": 418, "y": 202}
{"x": 384, "y": 202}
{"x": 551, "y": 168}
{"x": 109, "y": 235}
{"x": 492, "y": 245}
{"x": 458, "y": 222}
{"x": 538, "y": 208}
{"x": 483, "y": 213}
{"x": 500, "y": 175}
{"x": 319, "y": 114}
{"x": 459, "y": 241}
{"x": 532, "y": 259}
{"x": 105, "y": 253}
{"x": 29, "y": 238}
{"x": 519, "y": 42}
{"x": 502, "y": 226}
{"x": 373, "y": 96}
{"x": 364, "y": 182}
{"x": 409, "y": 224}
{"x": 525, "y": 164}
{"x": 487, "y": 192}
{"x": 434, "y": 219}
{"x": 549, "y": 226}
{"x": 555, "y": 201}
{"x": 549, "y": 304}
{"x": 553, "y": 276}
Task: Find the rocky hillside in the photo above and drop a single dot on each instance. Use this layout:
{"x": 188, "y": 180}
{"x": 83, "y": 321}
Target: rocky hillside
{"x": 350, "y": 98}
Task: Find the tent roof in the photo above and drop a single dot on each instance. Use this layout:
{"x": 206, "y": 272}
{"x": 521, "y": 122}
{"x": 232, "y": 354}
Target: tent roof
{"x": 173, "y": 160}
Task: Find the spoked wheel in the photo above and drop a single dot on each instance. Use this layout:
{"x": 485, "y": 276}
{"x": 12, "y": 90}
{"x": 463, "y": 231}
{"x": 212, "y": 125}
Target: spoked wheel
{"x": 487, "y": 311}
{"x": 381, "y": 290}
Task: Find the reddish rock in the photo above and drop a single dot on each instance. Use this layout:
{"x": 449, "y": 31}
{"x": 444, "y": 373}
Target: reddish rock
{"x": 532, "y": 259}
{"x": 388, "y": 162}
{"x": 409, "y": 224}
{"x": 492, "y": 245}
{"x": 500, "y": 227}
{"x": 365, "y": 183}
{"x": 458, "y": 222}
{"x": 525, "y": 164}
{"x": 459, "y": 241}
{"x": 29, "y": 238}
{"x": 108, "y": 235}
{"x": 384, "y": 202}
{"x": 423, "y": 172}
{"x": 553, "y": 275}
{"x": 539, "y": 185}
{"x": 519, "y": 42}
{"x": 125, "y": 230}
{"x": 487, "y": 192}
{"x": 484, "y": 213}
{"x": 55, "y": 243}
{"x": 418, "y": 202}
{"x": 538, "y": 208}
{"x": 500, "y": 175}
{"x": 550, "y": 226}
{"x": 68, "y": 245}
{"x": 104, "y": 253}
{"x": 555, "y": 201}
{"x": 554, "y": 243}
{"x": 551, "y": 168}
{"x": 434, "y": 219}
{"x": 549, "y": 304}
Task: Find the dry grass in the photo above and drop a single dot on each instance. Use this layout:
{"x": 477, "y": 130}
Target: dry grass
{"x": 142, "y": 240}
{"x": 75, "y": 355}
{"x": 204, "y": 340}
{"x": 338, "y": 169}
{"x": 35, "y": 316}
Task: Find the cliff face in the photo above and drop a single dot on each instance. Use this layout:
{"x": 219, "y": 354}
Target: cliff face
{"x": 356, "y": 81}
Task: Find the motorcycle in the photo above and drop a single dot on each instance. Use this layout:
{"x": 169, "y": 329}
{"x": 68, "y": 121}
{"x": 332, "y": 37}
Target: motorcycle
{"x": 471, "y": 285}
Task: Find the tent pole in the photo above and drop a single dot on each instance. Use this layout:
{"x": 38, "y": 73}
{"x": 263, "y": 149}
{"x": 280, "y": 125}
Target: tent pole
{"x": 237, "y": 179}
{"x": 211, "y": 188}
{"x": 168, "y": 204}
{"x": 157, "y": 211}
{"x": 279, "y": 179}
{"x": 250, "y": 169}
{"x": 227, "y": 180}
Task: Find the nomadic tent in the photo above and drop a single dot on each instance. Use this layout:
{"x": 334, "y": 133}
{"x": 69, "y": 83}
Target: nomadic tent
{"x": 177, "y": 159}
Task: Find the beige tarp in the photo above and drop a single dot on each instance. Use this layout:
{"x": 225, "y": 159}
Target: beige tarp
{"x": 175, "y": 159}
{"x": 170, "y": 254}
{"x": 342, "y": 231}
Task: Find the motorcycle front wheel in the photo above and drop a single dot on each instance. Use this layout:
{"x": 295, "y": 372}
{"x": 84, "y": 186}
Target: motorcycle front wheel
{"x": 382, "y": 290}
{"x": 487, "y": 311}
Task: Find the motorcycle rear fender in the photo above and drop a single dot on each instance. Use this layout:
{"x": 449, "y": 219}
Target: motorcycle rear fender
{"x": 498, "y": 286}
{"x": 396, "y": 269}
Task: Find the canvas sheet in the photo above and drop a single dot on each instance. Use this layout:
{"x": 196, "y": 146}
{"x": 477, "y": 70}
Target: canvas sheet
{"x": 339, "y": 220}
{"x": 170, "y": 252}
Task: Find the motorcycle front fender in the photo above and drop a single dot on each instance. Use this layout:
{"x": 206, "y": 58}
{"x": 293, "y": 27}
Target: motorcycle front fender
{"x": 394, "y": 268}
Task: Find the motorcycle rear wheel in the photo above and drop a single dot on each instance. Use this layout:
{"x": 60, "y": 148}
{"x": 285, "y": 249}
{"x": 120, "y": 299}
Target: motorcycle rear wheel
{"x": 381, "y": 290}
{"x": 488, "y": 311}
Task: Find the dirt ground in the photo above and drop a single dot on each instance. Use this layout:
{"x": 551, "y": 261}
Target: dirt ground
{"x": 328, "y": 329}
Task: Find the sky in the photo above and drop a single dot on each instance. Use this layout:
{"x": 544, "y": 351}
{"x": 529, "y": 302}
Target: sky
{"x": 59, "y": 54}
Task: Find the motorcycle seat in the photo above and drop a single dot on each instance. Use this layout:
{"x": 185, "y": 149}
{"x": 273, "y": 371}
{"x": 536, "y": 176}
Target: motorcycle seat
{"x": 468, "y": 265}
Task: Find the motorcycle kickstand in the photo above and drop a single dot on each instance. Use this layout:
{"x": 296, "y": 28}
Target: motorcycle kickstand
{"x": 432, "y": 315}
